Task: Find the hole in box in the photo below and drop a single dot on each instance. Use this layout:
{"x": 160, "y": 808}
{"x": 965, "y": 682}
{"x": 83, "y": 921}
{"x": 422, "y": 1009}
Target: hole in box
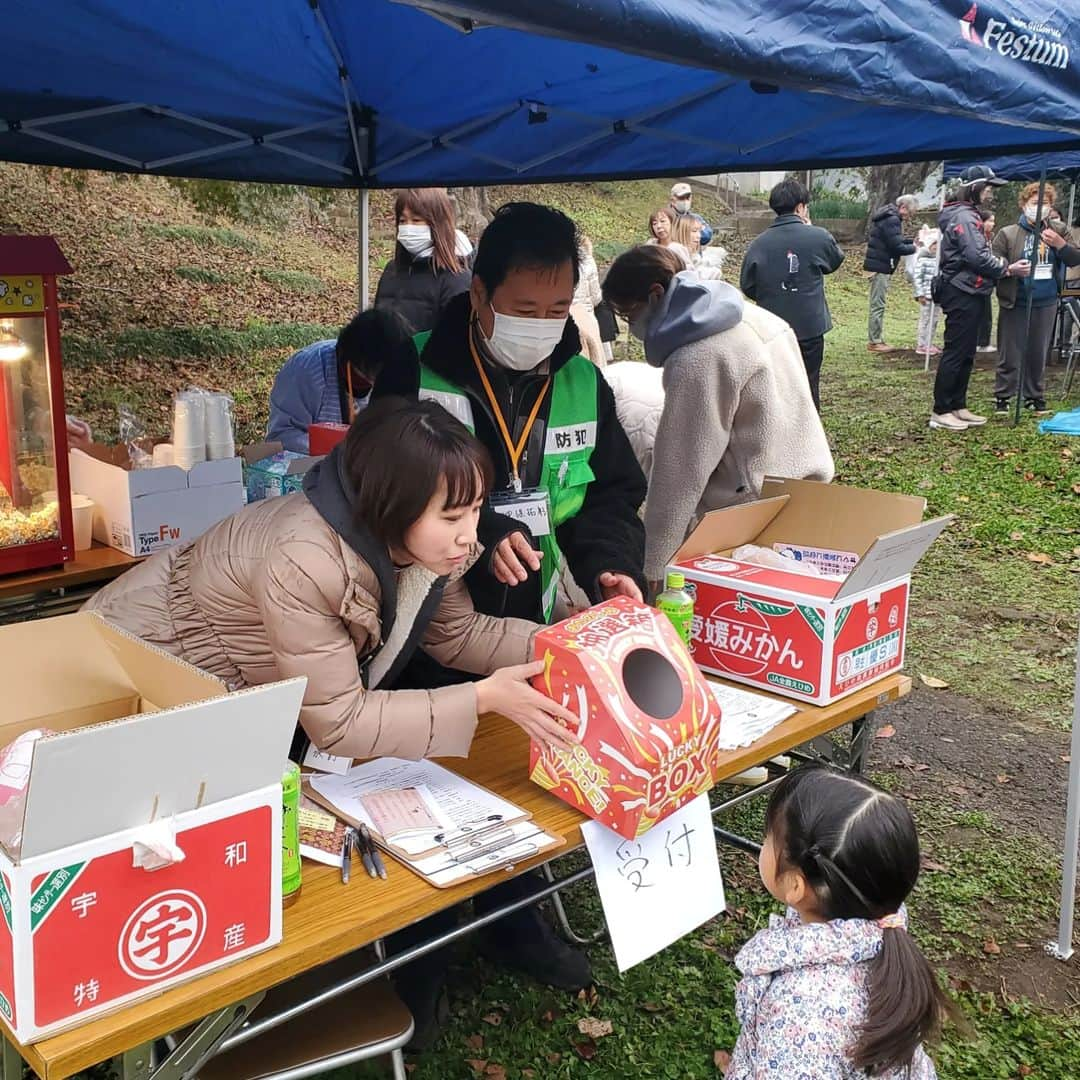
{"x": 652, "y": 684}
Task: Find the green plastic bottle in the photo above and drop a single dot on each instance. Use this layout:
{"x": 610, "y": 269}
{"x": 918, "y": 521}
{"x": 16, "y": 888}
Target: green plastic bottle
{"x": 678, "y": 605}
{"x": 290, "y": 835}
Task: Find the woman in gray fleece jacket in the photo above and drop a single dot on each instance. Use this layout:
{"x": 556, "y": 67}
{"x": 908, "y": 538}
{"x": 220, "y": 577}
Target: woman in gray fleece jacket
{"x": 737, "y": 402}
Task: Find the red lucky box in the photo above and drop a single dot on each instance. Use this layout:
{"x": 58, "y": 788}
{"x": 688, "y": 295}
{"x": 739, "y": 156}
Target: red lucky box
{"x": 815, "y": 638}
{"x": 649, "y": 725}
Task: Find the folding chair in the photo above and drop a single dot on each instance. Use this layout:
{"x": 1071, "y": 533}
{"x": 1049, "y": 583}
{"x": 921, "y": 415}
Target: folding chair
{"x": 365, "y": 1023}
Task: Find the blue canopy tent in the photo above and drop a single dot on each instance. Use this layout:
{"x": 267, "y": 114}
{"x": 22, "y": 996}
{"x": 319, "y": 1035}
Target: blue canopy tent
{"x": 1026, "y": 167}
{"x": 372, "y": 93}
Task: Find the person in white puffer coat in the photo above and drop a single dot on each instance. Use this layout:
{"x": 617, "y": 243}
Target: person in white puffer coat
{"x": 639, "y": 401}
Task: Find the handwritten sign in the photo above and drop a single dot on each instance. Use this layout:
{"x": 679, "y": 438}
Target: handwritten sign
{"x": 659, "y": 887}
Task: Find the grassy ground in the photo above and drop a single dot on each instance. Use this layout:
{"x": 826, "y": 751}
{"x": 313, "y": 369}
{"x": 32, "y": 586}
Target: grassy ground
{"x": 163, "y": 297}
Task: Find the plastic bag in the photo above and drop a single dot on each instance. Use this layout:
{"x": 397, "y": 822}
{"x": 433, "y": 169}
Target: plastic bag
{"x": 761, "y": 556}
{"x": 1062, "y": 423}
{"x": 132, "y": 430}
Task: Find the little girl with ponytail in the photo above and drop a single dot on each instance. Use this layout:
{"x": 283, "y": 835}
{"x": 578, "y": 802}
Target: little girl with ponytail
{"x": 836, "y": 989}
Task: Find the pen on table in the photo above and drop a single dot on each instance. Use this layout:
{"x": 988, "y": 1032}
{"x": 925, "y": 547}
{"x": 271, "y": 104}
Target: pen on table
{"x": 362, "y": 840}
{"x": 376, "y": 858}
{"x": 346, "y": 856}
{"x": 440, "y": 837}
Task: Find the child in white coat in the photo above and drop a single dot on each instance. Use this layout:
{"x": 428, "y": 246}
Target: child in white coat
{"x": 926, "y": 267}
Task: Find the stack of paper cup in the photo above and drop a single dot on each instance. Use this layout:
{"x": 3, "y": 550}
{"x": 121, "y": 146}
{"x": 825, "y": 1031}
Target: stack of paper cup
{"x": 163, "y": 454}
{"x": 189, "y": 428}
{"x": 220, "y": 442}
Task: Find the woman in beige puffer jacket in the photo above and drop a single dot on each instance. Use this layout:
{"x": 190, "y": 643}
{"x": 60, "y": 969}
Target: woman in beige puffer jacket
{"x": 306, "y": 584}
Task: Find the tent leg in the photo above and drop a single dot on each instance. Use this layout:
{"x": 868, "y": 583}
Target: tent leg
{"x": 1031, "y": 294}
{"x": 1062, "y": 948}
{"x": 363, "y": 283}
{"x": 1072, "y": 203}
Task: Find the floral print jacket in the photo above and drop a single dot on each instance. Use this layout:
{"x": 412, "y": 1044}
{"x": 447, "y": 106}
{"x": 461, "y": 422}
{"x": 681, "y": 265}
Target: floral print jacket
{"x": 802, "y": 998}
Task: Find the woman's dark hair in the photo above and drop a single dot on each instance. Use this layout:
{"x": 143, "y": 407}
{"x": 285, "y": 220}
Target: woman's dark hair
{"x": 371, "y": 338}
{"x": 636, "y": 271}
{"x": 395, "y": 455}
{"x": 857, "y": 847}
{"x": 434, "y": 206}
{"x": 787, "y": 195}
{"x": 525, "y": 236}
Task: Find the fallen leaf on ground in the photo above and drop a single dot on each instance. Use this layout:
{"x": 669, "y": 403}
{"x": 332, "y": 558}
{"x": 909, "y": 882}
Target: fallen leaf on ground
{"x": 496, "y": 1072}
{"x": 1024, "y": 1070}
{"x": 1016, "y": 536}
{"x": 991, "y": 947}
{"x": 553, "y": 1059}
{"x": 651, "y": 1006}
{"x": 586, "y": 1049}
{"x": 476, "y": 1042}
{"x": 933, "y": 683}
{"x": 493, "y": 1018}
{"x": 933, "y": 867}
{"x": 886, "y": 731}
{"x": 1040, "y": 557}
{"x": 528, "y": 1073}
{"x": 476, "y": 1065}
{"x": 1004, "y": 778}
{"x": 1076, "y": 489}
{"x": 1067, "y": 758}
{"x": 594, "y": 1027}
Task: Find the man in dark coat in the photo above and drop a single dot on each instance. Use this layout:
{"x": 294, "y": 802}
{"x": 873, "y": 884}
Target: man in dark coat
{"x": 784, "y": 271}
{"x": 884, "y": 250}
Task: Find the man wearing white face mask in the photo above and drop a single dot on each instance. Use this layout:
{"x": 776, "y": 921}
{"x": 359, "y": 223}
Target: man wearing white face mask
{"x": 506, "y": 361}
{"x": 431, "y": 262}
{"x": 682, "y": 196}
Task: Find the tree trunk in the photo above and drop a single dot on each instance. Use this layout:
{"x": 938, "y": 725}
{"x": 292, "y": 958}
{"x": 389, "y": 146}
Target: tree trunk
{"x": 886, "y": 183}
{"x": 473, "y": 208}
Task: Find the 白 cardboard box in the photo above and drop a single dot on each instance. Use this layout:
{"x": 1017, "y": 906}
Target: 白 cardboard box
{"x": 264, "y": 483}
{"x": 812, "y": 638}
{"x": 147, "y": 747}
{"x": 649, "y": 725}
{"x": 141, "y": 511}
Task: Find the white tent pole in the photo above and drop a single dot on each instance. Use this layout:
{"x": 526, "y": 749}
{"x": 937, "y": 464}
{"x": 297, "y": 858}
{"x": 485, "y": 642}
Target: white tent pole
{"x": 1062, "y": 948}
{"x": 363, "y": 283}
{"x": 1072, "y": 203}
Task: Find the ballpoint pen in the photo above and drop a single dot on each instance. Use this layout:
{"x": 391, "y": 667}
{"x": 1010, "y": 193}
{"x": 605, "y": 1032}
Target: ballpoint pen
{"x": 362, "y": 841}
{"x": 379, "y": 867}
{"x": 346, "y": 856}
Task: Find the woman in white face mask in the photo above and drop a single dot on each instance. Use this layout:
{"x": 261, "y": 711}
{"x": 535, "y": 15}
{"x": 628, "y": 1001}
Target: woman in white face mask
{"x": 431, "y": 263}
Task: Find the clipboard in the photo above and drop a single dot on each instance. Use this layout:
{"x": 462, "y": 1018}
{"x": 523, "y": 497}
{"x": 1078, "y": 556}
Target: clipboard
{"x": 480, "y": 832}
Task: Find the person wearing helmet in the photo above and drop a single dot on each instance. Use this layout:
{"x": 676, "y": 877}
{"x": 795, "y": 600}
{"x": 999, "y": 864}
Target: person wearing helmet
{"x": 968, "y": 272}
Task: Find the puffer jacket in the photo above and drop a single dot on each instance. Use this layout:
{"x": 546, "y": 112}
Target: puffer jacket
{"x": 292, "y": 586}
{"x": 639, "y": 401}
{"x": 417, "y": 291}
{"x": 886, "y": 245}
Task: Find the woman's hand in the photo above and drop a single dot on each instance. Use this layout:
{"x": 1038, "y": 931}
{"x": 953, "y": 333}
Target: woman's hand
{"x": 509, "y": 693}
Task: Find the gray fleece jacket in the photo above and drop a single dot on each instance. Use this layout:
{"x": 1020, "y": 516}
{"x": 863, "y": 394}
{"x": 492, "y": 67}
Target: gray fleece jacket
{"x": 737, "y": 409}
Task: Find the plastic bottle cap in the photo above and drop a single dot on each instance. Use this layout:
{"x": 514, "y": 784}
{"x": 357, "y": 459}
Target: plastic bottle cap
{"x": 676, "y": 580}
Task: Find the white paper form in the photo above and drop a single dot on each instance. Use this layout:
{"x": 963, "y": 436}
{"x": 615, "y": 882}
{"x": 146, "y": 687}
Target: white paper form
{"x": 659, "y": 887}
{"x": 458, "y": 801}
{"x": 746, "y": 716}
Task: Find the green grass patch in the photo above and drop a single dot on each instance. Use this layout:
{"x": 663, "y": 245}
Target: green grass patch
{"x": 181, "y": 342}
{"x": 294, "y": 280}
{"x": 203, "y": 276}
{"x": 202, "y": 236}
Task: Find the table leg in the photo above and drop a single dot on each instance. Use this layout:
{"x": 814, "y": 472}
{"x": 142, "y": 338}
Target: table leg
{"x": 11, "y": 1063}
{"x": 564, "y": 921}
{"x": 137, "y": 1063}
{"x": 861, "y": 730}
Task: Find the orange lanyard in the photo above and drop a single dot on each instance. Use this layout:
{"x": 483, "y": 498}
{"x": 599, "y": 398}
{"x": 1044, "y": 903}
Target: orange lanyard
{"x": 517, "y": 450}
{"x": 352, "y": 400}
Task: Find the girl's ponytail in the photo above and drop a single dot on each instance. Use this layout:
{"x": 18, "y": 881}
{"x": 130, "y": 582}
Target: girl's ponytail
{"x": 906, "y": 1006}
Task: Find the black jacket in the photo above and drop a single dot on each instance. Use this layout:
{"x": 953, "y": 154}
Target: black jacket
{"x": 783, "y": 270}
{"x": 965, "y": 259}
{"x": 886, "y": 246}
{"x": 607, "y": 534}
{"x": 418, "y": 292}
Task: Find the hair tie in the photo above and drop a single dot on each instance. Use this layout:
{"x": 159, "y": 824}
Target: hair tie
{"x": 897, "y": 920}
{"x": 814, "y": 851}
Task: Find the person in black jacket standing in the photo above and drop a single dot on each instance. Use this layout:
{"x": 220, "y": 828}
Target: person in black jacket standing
{"x": 784, "y": 269}
{"x": 967, "y": 275}
{"x": 885, "y": 248}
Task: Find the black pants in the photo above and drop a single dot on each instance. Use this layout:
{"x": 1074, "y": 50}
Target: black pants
{"x": 963, "y": 312}
{"x": 813, "y": 351}
{"x": 986, "y": 323}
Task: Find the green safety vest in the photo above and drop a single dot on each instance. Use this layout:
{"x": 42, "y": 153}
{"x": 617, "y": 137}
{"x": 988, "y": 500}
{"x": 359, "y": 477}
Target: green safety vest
{"x": 568, "y": 447}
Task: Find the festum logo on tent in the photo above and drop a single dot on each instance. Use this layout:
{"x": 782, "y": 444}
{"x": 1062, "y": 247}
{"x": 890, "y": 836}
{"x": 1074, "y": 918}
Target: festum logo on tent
{"x": 1032, "y": 43}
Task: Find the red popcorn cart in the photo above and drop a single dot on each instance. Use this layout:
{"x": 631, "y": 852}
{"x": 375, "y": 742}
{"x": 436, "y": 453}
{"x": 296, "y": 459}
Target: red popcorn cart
{"x": 35, "y": 494}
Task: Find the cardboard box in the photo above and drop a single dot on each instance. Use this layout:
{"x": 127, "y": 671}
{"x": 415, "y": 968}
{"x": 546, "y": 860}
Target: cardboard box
{"x": 649, "y": 724}
{"x": 141, "y": 511}
{"x": 812, "y": 638}
{"x": 262, "y": 482}
{"x": 322, "y": 438}
{"x": 146, "y": 747}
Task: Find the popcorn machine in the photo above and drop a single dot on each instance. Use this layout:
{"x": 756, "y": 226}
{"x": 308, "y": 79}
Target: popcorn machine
{"x": 35, "y": 495}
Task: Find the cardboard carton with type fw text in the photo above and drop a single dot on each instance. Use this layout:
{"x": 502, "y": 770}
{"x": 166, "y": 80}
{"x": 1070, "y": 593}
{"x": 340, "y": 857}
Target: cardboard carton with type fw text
{"x": 648, "y": 723}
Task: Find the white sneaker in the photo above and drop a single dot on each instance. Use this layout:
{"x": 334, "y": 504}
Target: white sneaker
{"x": 970, "y": 418}
{"x": 948, "y": 422}
{"x": 987, "y": 348}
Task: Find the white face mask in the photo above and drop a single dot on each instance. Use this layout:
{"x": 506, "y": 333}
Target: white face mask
{"x": 1031, "y": 210}
{"x": 682, "y": 205}
{"x": 639, "y": 324}
{"x": 416, "y": 240}
{"x": 520, "y": 344}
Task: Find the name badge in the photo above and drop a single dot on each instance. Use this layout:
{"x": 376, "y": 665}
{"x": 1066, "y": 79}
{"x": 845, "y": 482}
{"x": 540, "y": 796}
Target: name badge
{"x": 530, "y": 507}
{"x": 1044, "y": 271}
